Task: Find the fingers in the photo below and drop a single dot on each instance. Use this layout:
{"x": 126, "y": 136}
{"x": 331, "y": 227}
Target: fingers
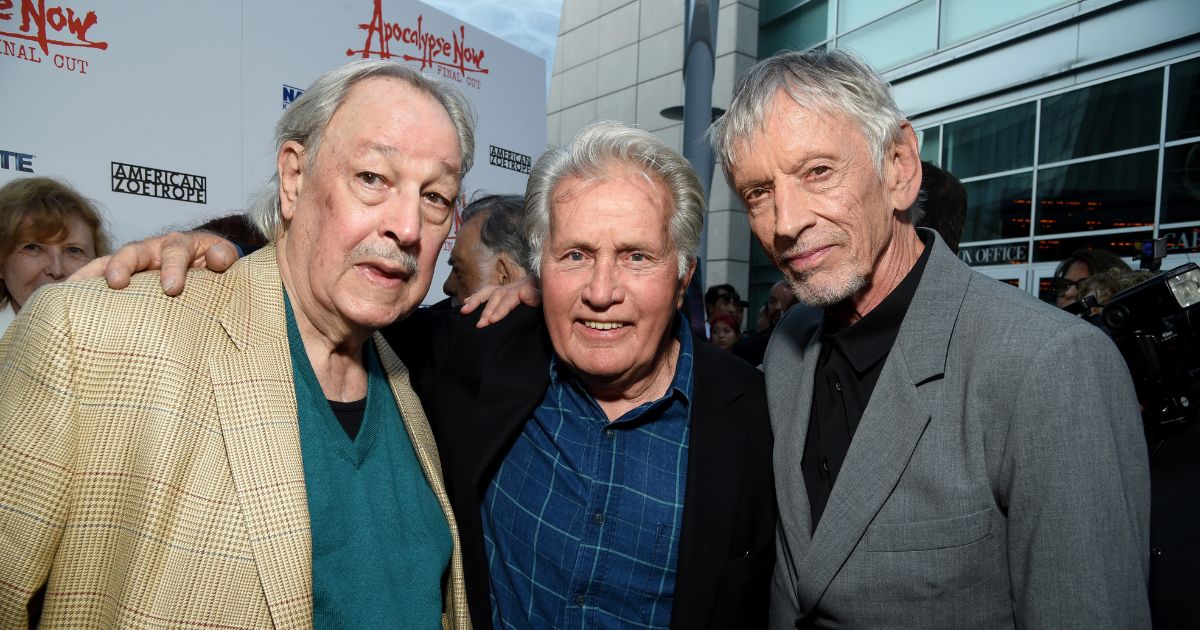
{"x": 177, "y": 254}
{"x": 220, "y": 256}
{"x": 478, "y": 298}
{"x": 128, "y": 260}
{"x": 529, "y": 295}
{"x": 93, "y": 269}
{"x": 504, "y": 301}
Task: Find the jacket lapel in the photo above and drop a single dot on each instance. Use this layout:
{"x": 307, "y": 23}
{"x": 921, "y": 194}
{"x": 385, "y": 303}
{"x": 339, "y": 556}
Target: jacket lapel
{"x": 891, "y": 426}
{"x": 716, "y": 464}
{"x": 256, "y": 403}
{"x": 790, "y": 367}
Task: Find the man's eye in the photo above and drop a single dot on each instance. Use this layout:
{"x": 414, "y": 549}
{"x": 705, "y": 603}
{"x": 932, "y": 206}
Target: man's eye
{"x": 575, "y": 256}
{"x": 637, "y": 257}
{"x": 435, "y": 198}
{"x": 821, "y": 171}
{"x": 370, "y": 179}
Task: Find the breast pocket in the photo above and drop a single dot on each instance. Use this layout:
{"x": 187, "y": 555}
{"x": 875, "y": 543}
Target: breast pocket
{"x": 927, "y": 535}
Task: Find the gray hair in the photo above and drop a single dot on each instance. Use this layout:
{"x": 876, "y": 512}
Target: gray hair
{"x": 832, "y": 81}
{"x": 589, "y": 155}
{"x": 501, "y": 231}
{"x": 306, "y": 119}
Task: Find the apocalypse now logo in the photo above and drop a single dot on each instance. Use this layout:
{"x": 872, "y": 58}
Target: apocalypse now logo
{"x": 451, "y": 58}
{"x": 156, "y": 182}
{"x": 37, "y": 30}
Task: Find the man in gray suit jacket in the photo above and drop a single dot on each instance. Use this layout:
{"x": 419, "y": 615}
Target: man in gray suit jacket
{"x": 949, "y": 451}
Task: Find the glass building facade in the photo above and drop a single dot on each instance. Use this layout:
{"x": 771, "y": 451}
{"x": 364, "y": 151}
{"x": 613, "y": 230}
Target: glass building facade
{"x": 1112, "y": 160}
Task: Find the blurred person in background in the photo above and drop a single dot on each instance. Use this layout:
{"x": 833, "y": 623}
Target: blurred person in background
{"x": 489, "y": 248}
{"x": 752, "y": 347}
{"x": 944, "y": 200}
{"x": 1079, "y": 266}
{"x": 47, "y": 231}
{"x": 724, "y": 331}
{"x": 1106, "y": 284}
{"x": 723, "y": 298}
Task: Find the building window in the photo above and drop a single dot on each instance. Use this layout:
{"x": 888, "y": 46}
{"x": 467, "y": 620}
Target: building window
{"x": 1097, "y": 195}
{"x": 1056, "y": 249}
{"x": 1128, "y": 111}
{"x": 1181, "y": 183}
{"x": 992, "y": 143}
{"x": 1183, "y": 101}
{"x": 800, "y": 29}
{"x": 998, "y": 208}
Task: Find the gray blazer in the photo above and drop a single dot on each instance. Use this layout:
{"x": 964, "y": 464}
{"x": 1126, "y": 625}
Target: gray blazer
{"x": 998, "y": 478}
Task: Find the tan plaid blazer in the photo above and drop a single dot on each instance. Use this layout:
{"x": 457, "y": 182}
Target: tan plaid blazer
{"x": 150, "y": 472}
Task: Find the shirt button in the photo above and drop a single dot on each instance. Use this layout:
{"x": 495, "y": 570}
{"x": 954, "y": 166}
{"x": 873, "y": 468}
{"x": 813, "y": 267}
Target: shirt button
{"x": 825, "y": 465}
{"x": 837, "y": 385}
{"x": 598, "y": 518}
{"x": 1156, "y": 552}
{"x": 610, "y": 433}
{"x": 580, "y": 600}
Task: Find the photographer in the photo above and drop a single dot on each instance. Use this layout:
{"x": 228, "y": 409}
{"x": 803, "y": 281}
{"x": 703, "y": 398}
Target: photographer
{"x": 1155, "y": 322}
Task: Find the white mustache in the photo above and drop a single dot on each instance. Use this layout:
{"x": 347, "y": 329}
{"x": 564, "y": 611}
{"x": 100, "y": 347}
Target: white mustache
{"x": 377, "y": 251}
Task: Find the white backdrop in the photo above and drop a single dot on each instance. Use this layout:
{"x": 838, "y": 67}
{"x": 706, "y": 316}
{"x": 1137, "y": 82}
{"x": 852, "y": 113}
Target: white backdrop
{"x": 191, "y": 93}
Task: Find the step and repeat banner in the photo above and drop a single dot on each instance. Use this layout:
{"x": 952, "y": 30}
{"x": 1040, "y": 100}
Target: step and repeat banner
{"x": 162, "y": 112}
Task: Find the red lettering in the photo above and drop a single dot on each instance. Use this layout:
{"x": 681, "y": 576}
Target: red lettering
{"x": 36, "y": 15}
{"x": 432, "y": 48}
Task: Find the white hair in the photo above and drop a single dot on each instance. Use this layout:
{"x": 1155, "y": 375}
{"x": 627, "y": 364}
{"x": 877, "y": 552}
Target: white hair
{"x": 590, "y": 155}
{"x": 306, "y": 119}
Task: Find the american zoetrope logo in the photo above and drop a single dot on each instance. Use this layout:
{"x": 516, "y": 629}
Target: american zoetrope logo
{"x": 156, "y": 182}
{"x": 510, "y": 160}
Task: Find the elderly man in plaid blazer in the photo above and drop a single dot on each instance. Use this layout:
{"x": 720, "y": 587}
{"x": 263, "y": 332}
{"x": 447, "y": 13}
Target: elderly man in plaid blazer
{"x": 250, "y": 454}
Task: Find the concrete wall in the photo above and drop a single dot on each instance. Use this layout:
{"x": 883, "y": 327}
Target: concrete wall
{"x": 623, "y": 60}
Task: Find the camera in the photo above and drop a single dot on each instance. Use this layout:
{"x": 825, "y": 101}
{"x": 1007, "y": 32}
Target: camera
{"x": 1156, "y": 327}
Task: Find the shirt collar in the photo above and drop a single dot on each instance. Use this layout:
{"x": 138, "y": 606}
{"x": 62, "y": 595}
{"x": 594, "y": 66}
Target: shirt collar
{"x": 681, "y": 384}
{"x": 870, "y": 339}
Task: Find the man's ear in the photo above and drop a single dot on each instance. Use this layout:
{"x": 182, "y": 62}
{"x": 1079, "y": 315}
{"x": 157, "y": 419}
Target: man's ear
{"x": 506, "y": 270}
{"x": 290, "y": 163}
{"x": 903, "y": 168}
{"x": 683, "y": 284}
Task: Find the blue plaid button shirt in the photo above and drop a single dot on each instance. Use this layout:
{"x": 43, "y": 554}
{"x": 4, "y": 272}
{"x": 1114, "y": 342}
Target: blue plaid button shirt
{"x": 581, "y": 521}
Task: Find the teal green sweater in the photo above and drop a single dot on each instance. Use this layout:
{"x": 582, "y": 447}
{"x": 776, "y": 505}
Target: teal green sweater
{"x": 380, "y": 542}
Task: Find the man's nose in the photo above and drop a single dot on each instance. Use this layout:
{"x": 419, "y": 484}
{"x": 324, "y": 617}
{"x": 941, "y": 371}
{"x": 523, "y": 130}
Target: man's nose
{"x": 793, "y": 214}
{"x": 402, "y": 218}
{"x": 604, "y": 287}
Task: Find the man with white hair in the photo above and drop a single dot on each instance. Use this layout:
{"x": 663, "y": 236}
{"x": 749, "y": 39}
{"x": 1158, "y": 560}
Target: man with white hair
{"x": 245, "y": 455}
{"x": 933, "y": 468}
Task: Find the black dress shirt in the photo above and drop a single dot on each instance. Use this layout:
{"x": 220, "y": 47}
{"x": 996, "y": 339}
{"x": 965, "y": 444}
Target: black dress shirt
{"x": 848, "y": 367}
